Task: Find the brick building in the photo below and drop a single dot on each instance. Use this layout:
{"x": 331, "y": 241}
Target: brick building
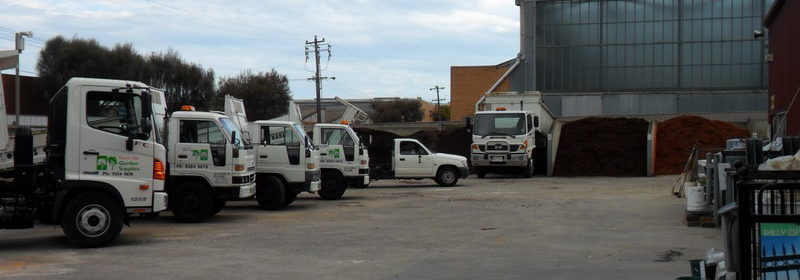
{"x": 468, "y": 83}
{"x": 782, "y": 22}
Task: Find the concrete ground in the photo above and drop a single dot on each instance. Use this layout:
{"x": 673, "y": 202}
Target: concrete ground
{"x": 494, "y": 228}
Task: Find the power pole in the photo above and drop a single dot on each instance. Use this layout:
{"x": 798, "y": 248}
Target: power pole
{"x": 313, "y": 46}
{"x": 438, "y": 102}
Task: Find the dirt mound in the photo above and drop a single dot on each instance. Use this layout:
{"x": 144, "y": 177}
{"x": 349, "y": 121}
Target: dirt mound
{"x": 381, "y": 146}
{"x": 602, "y": 147}
{"x": 676, "y": 137}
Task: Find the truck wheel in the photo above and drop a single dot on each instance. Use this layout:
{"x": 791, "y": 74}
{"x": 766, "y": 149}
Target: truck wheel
{"x": 290, "y": 196}
{"x": 92, "y": 220}
{"x": 192, "y": 203}
{"x": 333, "y": 186}
{"x": 481, "y": 172}
{"x": 218, "y": 205}
{"x": 270, "y": 193}
{"x": 529, "y": 168}
{"x": 447, "y": 176}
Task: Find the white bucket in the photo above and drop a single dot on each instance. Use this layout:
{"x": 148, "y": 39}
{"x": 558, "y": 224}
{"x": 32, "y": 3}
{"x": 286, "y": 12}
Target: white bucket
{"x": 695, "y": 198}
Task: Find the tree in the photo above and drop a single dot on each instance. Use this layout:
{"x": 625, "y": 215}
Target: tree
{"x": 266, "y": 95}
{"x": 183, "y": 83}
{"x": 445, "y": 112}
{"x": 401, "y": 110}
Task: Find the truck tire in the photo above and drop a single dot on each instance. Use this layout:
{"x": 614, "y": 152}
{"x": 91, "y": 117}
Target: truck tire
{"x": 218, "y": 205}
{"x": 192, "y": 203}
{"x": 270, "y": 193}
{"x": 333, "y": 186}
{"x": 290, "y": 197}
{"x": 447, "y": 176}
{"x": 529, "y": 169}
{"x": 92, "y": 219}
{"x": 481, "y": 172}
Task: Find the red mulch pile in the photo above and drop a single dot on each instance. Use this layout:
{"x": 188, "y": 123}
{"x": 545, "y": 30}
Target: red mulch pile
{"x": 602, "y": 147}
{"x": 676, "y": 137}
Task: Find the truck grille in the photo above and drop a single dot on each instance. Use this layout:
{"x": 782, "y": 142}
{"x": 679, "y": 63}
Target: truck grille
{"x": 244, "y": 179}
{"x": 496, "y": 146}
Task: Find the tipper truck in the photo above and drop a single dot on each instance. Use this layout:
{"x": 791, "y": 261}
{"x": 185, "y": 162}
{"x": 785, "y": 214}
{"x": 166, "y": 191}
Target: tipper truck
{"x": 287, "y": 163}
{"x": 509, "y": 129}
{"x": 344, "y": 160}
{"x": 103, "y": 162}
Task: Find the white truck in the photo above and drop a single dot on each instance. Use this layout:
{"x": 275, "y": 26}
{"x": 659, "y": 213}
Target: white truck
{"x": 509, "y": 129}
{"x": 410, "y": 159}
{"x": 287, "y": 163}
{"x": 103, "y": 162}
{"x": 209, "y": 163}
{"x": 344, "y": 160}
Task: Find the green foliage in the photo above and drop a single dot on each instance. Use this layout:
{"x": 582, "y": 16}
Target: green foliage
{"x": 445, "y": 111}
{"x": 401, "y": 110}
{"x": 266, "y": 95}
{"x": 183, "y": 83}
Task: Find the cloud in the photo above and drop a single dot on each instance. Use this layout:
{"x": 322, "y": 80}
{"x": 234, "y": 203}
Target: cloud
{"x": 380, "y": 48}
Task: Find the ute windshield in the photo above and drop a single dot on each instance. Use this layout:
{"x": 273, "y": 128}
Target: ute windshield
{"x": 499, "y": 124}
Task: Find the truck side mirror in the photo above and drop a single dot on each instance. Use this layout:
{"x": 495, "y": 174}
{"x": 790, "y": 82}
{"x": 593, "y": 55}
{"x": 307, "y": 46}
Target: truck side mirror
{"x": 233, "y": 138}
{"x": 468, "y": 122}
{"x": 147, "y": 104}
{"x": 536, "y": 121}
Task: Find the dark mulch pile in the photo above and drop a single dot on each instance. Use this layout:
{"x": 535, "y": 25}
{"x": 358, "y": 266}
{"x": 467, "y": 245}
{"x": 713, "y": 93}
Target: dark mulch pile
{"x": 602, "y": 147}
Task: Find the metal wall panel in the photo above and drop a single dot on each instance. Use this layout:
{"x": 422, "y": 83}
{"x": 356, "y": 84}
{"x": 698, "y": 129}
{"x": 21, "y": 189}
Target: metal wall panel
{"x": 586, "y": 105}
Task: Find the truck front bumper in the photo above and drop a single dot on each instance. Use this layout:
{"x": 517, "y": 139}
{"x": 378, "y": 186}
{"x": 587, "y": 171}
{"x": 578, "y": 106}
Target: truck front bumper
{"x": 360, "y": 180}
{"x": 312, "y": 183}
{"x": 235, "y": 192}
{"x": 247, "y": 190}
{"x": 160, "y": 201}
{"x": 499, "y": 159}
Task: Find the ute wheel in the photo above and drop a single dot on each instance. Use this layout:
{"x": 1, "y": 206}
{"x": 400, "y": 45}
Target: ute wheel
{"x": 481, "y": 172}
{"x": 270, "y": 193}
{"x": 290, "y": 196}
{"x": 333, "y": 186}
{"x": 92, "y": 219}
{"x": 529, "y": 168}
{"x": 447, "y": 176}
{"x": 218, "y": 205}
{"x": 192, "y": 203}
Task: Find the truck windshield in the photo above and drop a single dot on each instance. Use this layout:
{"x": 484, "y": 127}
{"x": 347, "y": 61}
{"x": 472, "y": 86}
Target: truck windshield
{"x": 230, "y": 127}
{"x": 302, "y": 133}
{"x": 499, "y": 124}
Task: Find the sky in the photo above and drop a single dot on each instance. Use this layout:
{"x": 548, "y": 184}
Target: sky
{"x": 380, "y": 48}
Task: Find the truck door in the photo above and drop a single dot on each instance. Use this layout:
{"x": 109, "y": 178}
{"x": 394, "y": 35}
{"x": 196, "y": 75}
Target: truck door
{"x": 202, "y": 151}
{"x": 413, "y": 160}
{"x": 110, "y": 120}
{"x": 337, "y": 146}
{"x": 280, "y": 150}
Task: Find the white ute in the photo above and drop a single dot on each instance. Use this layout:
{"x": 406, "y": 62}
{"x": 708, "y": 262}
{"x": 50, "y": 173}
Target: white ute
{"x": 103, "y": 163}
{"x": 410, "y": 159}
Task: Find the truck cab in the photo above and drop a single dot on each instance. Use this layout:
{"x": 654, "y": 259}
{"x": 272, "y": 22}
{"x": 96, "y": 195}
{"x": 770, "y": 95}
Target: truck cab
{"x": 410, "y": 159}
{"x": 344, "y": 161}
{"x": 503, "y": 138}
{"x": 104, "y": 162}
{"x": 287, "y": 163}
{"x": 209, "y": 164}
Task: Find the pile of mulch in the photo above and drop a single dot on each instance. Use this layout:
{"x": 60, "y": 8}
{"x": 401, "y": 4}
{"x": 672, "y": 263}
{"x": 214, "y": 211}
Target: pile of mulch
{"x": 602, "y": 147}
{"x": 452, "y": 141}
{"x": 676, "y": 137}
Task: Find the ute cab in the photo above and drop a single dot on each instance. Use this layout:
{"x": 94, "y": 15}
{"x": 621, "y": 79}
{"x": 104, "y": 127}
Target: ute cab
{"x": 209, "y": 164}
{"x": 344, "y": 160}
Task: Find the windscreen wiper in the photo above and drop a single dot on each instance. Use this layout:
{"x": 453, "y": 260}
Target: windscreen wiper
{"x": 497, "y": 133}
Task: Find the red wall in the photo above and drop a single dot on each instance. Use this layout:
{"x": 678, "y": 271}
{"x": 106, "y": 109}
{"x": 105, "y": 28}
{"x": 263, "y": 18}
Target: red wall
{"x": 784, "y": 70}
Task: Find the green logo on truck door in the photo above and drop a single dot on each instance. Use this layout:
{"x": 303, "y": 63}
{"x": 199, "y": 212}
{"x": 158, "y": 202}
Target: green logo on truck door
{"x": 200, "y": 154}
{"x": 334, "y": 153}
{"x": 104, "y": 161}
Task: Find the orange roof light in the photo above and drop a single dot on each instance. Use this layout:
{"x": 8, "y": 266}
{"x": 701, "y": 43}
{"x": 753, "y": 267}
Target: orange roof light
{"x": 187, "y": 108}
{"x": 500, "y": 109}
{"x": 343, "y": 122}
